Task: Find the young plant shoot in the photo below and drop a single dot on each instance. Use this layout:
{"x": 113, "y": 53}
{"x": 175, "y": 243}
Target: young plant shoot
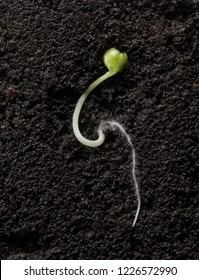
{"x": 116, "y": 62}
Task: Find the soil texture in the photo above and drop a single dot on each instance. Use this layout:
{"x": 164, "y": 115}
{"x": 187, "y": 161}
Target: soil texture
{"x": 63, "y": 200}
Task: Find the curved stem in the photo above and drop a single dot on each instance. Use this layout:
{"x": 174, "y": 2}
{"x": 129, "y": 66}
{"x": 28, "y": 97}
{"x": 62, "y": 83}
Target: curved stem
{"x": 79, "y": 136}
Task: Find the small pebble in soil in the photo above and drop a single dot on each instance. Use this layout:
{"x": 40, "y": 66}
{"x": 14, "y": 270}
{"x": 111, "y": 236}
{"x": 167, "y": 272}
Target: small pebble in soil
{"x": 10, "y": 93}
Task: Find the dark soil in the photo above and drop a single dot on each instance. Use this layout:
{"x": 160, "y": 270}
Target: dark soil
{"x": 62, "y": 200}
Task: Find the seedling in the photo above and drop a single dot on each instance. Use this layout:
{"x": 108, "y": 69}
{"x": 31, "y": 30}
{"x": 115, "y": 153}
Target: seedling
{"x": 116, "y": 62}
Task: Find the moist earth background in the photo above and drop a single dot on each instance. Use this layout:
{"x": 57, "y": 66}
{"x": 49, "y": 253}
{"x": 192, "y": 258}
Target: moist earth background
{"x": 63, "y": 200}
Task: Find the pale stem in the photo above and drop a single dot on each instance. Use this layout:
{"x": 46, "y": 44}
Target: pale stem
{"x": 79, "y": 136}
